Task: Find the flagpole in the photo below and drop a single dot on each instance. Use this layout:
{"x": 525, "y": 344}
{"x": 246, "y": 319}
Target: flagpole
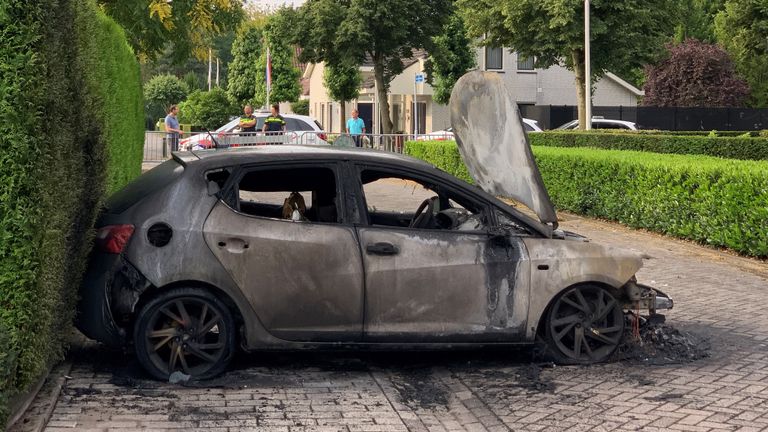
{"x": 269, "y": 75}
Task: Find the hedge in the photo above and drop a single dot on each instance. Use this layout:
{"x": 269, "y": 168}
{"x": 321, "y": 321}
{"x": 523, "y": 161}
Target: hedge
{"x": 708, "y": 133}
{"x": 718, "y": 202}
{"x": 69, "y": 92}
{"x": 726, "y": 147}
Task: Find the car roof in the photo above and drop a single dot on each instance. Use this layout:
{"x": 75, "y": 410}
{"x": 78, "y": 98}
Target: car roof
{"x": 254, "y": 154}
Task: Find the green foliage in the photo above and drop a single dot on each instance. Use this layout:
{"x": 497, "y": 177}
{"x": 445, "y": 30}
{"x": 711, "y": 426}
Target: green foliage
{"x": 342, "y": 81}
{"x": 208, "y": 109}
{"x": 722, "y": 203}
{"x": 246, "y": 50}
{"x": 7, "y": 366}
{"x": 161, "y": 92}
{"x": 193, "y": 82}
{"x": 624, "y": 34}
{"x": 114, "y": 80}
{"x": 451, "y": 57}
{"x": 72, "y": 121}
{"x": 285, "y": 75}
{"x": 187, "y": 25}
{"x": 742, "y": 29}
{"x": 300, "y": 107}
{"x": 731, "y": 147}
{"x": 384, "y": 32}
{"x": 696, "y": 20}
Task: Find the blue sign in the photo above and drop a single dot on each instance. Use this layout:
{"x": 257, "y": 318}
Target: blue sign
{"x": 419, "y": 78}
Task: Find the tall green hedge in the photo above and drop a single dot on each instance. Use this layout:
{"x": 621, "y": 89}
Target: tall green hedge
{"x": 753, "y": 148}
{"x": 718, "y": 202}
{"x": 69, "y": 93}
{"x": 113, "y": 76}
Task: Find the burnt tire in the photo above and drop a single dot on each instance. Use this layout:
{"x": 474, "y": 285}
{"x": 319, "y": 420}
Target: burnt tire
{"x": 584, "y": 325}
{"x": 187, "y": 330}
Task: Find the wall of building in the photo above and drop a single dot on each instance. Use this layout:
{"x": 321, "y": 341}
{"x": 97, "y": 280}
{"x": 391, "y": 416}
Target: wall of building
{"x": 554, "y": 85}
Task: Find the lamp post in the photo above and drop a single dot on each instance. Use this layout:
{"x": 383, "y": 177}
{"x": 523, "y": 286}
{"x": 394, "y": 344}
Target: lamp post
{"x": 587, "y": 69}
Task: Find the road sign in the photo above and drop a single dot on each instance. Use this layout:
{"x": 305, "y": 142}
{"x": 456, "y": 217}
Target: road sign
{"x": 419, "y": 78}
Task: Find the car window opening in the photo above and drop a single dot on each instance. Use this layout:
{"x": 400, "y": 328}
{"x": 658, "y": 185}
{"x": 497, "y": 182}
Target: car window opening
{"x": 399, "y": 201}
{"x": 298, "y": 194}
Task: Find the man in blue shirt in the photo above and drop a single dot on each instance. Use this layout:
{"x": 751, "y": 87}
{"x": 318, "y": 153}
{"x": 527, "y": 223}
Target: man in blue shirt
{"x": 356, "y": 127}
{"x": 172, "y": 127}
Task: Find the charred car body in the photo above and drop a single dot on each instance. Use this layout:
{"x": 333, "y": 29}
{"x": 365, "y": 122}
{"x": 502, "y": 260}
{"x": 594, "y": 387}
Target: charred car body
{"x": 282, "y": 247}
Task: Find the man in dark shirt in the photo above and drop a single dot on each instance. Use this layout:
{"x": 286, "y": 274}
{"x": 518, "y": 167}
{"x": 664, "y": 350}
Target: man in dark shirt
{"x": 248, "y": 121}
{"x": 275, "y": 123}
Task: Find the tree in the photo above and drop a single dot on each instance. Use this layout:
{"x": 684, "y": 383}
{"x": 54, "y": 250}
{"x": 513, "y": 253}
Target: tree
{"x": 165, "y": 63}
{"x": 697, "y": 20}
{"x": 246, "y": 50}
{"x": 742, "y": 29}
{"x": 343, "y": 82}
{"x": 188, "y": 25}
{"x": 385, "y": 33}
{"x": 451, "y": 57}
{"x": 161, "y": 92}
{"x": 300, "y": 107}
{"x": 208, "y": 109}
{"x": 278, "y": 35}
{"x": 695, "y": 74}
{"x": 623, "y": 33}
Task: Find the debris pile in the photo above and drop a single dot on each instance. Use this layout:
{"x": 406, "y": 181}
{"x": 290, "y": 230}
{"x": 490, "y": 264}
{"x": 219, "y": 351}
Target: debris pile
{"x": 659, "y": 344}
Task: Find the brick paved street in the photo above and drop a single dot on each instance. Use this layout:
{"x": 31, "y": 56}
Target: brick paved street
{"x": 718, "y": 296}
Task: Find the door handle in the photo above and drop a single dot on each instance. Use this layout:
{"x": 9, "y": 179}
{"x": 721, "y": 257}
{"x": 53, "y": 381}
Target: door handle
{"x": 382, "y": 248}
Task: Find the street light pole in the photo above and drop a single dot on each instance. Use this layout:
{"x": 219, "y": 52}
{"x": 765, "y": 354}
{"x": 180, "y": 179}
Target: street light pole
{"x": 587, "y": 69}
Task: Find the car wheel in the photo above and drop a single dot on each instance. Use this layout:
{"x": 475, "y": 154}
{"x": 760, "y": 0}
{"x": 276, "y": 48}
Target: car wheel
{"x": 187, "y": 330}
{"x": 584, "y": 325}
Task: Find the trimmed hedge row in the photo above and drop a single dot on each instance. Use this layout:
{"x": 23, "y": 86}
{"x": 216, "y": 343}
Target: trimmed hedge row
{"x": 710, "y": 133}
{"x": 116, "y": 100}
{"x": 725, "y": 147}
{"x": 718, "y": 202}
{"x": 69, "y": 98}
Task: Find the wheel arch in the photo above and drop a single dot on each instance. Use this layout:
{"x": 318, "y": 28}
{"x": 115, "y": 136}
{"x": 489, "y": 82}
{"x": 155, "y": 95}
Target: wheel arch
{"x": 615, "y": 291}
{"x": 153, "y": 291}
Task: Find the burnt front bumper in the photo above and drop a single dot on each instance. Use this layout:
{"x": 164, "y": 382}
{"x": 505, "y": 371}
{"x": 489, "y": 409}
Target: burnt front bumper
{"x": 644, "y": 297}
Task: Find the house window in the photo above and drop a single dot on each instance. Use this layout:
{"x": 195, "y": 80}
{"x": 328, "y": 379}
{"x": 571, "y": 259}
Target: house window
{"x": 524, "y": 63}
{"x": 494, "y": 58}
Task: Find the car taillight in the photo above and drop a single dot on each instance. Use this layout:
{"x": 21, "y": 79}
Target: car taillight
{"x": 113, "y": 238}
{"x": 323, "y": 136}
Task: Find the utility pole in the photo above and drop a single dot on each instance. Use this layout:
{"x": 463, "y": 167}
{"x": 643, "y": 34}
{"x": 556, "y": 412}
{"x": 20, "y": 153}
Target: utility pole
{"x": 587, "y": 69}
{"x": 210, "y": 67}
{"x": 217, "y": 72}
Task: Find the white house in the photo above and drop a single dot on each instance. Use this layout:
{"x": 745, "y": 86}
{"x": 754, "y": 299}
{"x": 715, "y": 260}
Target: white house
{"x": 530, "y": 86}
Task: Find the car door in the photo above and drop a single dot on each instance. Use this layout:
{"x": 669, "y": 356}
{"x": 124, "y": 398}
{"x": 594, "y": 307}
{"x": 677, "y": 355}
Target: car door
{"x": 281, "y": 233}
{"x": 437, "y": 283}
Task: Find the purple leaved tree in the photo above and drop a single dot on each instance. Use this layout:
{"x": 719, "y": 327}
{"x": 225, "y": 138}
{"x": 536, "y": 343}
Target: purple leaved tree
{"x": 694, "y": 74}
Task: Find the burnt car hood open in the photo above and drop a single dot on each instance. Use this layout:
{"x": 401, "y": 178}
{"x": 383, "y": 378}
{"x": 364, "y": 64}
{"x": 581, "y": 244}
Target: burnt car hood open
{"x": 493, "y": 143}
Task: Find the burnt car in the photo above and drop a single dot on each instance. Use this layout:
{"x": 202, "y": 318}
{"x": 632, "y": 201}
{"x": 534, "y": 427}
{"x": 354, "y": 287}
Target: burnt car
{"x": 290, "y": 247}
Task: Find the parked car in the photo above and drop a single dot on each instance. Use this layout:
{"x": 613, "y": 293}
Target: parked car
{"x": 447, "y": 134}
{"x": 601, "y": 123}
{"x": 289, "y": 247}
{"x": 300, "y": 129}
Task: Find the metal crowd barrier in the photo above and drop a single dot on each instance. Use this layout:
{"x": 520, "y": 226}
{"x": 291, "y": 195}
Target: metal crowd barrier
{"x": 158, "y": 146}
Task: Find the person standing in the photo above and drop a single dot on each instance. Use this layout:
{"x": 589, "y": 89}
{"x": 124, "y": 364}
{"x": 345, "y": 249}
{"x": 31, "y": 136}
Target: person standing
{"x": 248, "y": 120}
{"x": 274, "y": 124}
{"x": 172, "y": 128}
{"x": 356, "y": 127}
